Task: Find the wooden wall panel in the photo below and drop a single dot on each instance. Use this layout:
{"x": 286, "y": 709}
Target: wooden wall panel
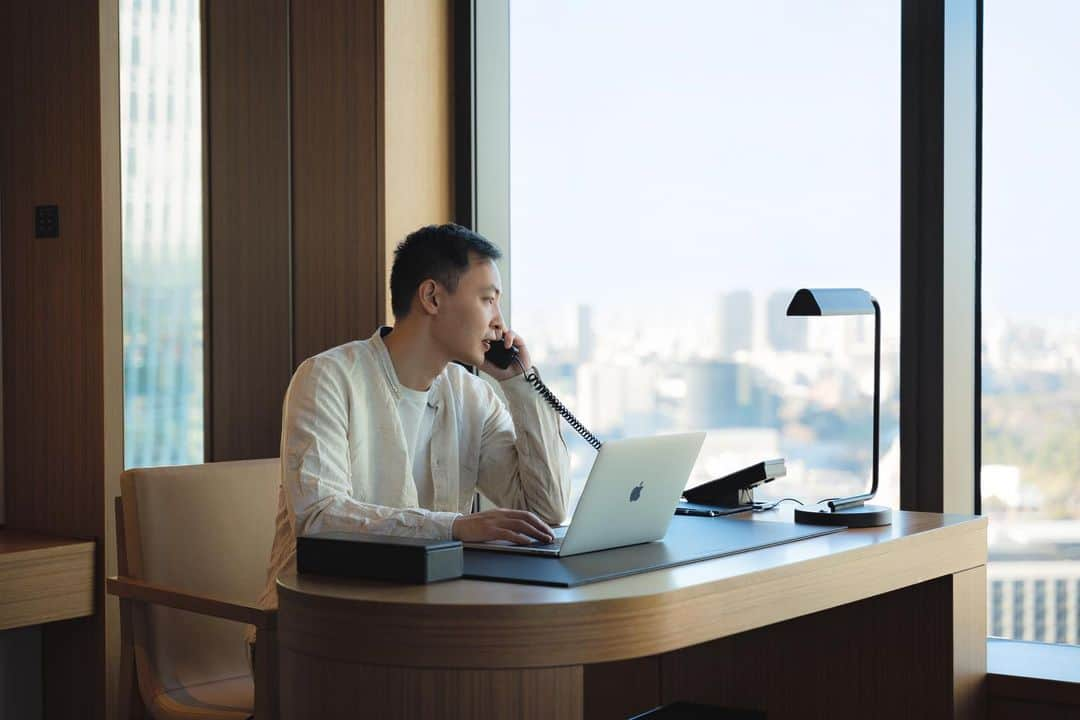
{"x": 622, "y": 689}
{"x": 249, "y": 359}
{"x": 50, "y": 153}
{"x": 417, "y": 117}
{"x": 334, "y": 52}
{"x": 829, "y": 657}
{"x": 329, "y": 132}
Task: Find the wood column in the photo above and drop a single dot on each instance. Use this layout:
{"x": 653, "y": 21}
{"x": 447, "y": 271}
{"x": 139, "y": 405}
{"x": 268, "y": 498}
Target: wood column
{"x": 416, "y": 121}
{"x": 53, "y": 301}
{"x": 249, "y": 239}
{"x": 335, "y": 180}
{"x": 329, "y": 139}
{"x": 969, "y": 643}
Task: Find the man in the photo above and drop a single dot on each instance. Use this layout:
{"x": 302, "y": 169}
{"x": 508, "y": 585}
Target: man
{"x": 387, "y": 435}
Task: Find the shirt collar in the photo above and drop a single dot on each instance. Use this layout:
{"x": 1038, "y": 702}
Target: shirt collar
{"x": 387, "y": 365}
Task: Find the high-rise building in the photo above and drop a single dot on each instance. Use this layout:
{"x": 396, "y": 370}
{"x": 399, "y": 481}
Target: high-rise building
{"x": 726, "y": 394}
{"x": 1033, "y": 577}
{"x": 1037, "y": 601}
{"x": 735, "y": 323}
{"x": 784, "y": 333}
{"x": 585, "y": 339}
{"x": 162, "y": 181}
{"x": 616, "y": 398}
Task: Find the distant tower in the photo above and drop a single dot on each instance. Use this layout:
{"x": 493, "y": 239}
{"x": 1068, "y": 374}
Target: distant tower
{"x": 722, "y": 394}
{"x": 585, "y": 340}
{"x": 785, "y": 333}
{"x": 735, "y": 322}
{"x": 161, "y": 111}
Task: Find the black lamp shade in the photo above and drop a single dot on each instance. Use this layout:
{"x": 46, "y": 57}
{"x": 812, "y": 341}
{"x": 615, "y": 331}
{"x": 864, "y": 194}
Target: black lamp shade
{"x": 831, "y": 301}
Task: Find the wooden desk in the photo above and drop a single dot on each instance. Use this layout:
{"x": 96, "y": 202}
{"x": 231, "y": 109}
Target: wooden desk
{"x": 44, "y": 578}
{"x": 883, "y": 622}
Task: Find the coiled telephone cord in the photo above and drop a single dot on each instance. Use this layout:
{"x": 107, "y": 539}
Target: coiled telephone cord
{"x": 549, "y": 397}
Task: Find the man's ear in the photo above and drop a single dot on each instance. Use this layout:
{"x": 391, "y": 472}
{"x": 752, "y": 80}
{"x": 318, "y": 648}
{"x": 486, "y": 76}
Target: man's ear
{"x": 428, "y": 292}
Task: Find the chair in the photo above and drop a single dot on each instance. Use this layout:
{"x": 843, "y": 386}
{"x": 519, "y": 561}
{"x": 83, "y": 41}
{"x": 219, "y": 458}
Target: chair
{"x": 192, "y": 546}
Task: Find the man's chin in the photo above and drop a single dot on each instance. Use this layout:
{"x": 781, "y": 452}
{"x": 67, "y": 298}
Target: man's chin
{"x": 475, "y": 359}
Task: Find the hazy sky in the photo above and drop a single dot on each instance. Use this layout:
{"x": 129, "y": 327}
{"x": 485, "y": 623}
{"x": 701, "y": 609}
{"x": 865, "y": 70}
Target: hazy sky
{"x": 1031, "y": 157}
{"x": 665, "y": 152}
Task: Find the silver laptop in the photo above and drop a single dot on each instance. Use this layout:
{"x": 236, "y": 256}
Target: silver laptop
{"x": 629, "y": 498}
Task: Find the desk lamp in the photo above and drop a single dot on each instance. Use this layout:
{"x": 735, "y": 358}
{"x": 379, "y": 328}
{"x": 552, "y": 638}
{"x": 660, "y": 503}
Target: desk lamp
{"x": 850, "y": 511}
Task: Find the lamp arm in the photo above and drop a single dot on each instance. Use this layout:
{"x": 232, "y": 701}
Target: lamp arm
{"x": 856, "y": 500}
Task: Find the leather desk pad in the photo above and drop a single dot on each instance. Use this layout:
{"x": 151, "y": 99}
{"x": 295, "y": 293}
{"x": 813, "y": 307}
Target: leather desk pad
{"x": 689, "y": 539}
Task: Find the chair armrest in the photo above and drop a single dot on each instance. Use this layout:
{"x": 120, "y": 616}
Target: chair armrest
{"x": 134, "y": 589}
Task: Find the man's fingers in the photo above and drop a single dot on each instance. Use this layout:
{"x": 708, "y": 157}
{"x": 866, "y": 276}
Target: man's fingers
{"x": 516, "y": 538}
{"x": 533, "y": 520}
{"x": 525, "y": 528}
{"x": 522, "y": 523}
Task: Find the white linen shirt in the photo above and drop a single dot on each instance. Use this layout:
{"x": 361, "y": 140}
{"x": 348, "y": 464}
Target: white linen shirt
{"x": 345, "y": 461}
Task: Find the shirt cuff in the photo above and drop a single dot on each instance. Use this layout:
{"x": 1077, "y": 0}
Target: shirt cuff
{"x": 444, "y": 523}
{"x": 518, "y": 384}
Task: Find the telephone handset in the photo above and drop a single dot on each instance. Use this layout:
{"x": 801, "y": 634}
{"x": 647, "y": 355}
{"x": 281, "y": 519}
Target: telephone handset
{"x": 501, "y": 357}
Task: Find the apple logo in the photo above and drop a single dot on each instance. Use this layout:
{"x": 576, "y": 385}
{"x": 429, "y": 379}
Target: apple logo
{"x": 636, "y": 492}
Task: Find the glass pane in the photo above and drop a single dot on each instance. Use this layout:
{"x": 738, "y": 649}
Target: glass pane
{"x": 161, "y": 180}
{"x": 1031, "y": 326}
{"x": 678, "y": 169}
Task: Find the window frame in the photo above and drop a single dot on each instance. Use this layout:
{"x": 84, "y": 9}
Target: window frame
{"x": 940, "y": 249}
{"x": 482, "y": 134}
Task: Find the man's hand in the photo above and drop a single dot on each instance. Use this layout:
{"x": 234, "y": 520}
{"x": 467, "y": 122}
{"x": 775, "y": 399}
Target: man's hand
{"x": 509, "y": 338}
{"x": 517, "y": 526}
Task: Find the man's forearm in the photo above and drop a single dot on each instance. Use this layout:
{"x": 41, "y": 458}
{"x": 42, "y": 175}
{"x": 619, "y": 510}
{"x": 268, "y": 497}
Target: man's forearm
{"x": 343, "y": 513}
{"x": 543, "y": 462}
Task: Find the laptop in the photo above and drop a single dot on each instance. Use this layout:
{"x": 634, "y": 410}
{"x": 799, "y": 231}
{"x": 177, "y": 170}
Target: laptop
{"x": 629, "y": 498}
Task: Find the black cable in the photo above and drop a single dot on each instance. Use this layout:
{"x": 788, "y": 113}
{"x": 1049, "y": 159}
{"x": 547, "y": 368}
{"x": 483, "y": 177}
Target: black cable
{"x": 553, "y": 401}
{"x": 761, "y": 507}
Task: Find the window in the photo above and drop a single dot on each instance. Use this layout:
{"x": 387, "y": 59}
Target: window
{"x": 162, "y": 222}
{"x": 677, "y": 170}
{"x": 1030, "y": 471}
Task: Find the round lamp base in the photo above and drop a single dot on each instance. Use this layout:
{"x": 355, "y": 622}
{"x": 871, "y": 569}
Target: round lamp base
{"x": 856, "y": 517}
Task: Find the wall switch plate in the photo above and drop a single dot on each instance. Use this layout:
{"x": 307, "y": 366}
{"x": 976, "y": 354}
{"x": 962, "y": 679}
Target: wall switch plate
{"x": 47, "y": 221}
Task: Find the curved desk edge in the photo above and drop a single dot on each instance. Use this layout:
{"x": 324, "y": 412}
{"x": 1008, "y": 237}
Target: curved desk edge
{"x": 471, "y": 624}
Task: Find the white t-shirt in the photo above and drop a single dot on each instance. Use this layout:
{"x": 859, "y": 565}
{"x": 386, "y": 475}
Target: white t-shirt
{"x": 417, "y": 419}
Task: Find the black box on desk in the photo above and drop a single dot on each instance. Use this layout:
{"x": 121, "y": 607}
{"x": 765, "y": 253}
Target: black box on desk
{"x": 379, "y": 557}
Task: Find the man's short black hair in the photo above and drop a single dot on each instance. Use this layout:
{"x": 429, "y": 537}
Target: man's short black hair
{"x": 438, "y": 252}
